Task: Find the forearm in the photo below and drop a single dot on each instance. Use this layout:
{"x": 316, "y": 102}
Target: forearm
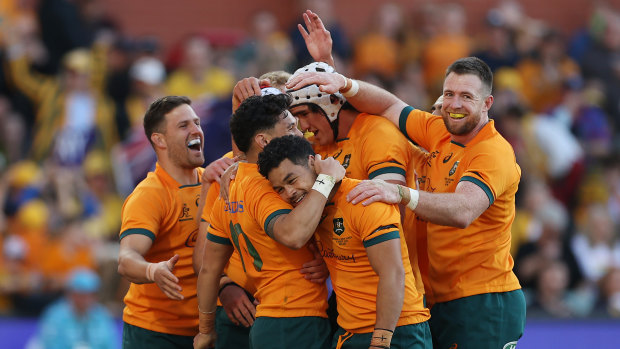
{"x": 133, "y": 267}
{"x": 297, "y": 227}
{"x": 377, "y": 101}
{"x": 450, "y": 209}
{"x": 390, "y": 294}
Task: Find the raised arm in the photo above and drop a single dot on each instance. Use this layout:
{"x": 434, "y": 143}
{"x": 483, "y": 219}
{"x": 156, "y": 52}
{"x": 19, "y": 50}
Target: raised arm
{"x": 363, "y": 96}
{"x": 318, "y": 39}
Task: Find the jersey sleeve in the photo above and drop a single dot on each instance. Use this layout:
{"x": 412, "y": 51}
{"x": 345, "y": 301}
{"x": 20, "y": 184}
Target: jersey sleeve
{"x": 377, "y": 223}
{"x": 212, "y": 195}
{"x": 264, "y": 203}
{"x": 142, "y": 213}
{"x": 384, "y": 152}
{"x": 419, "y": 126}
{"x": 493, "y": 169}
{"x": 217, "y": 231}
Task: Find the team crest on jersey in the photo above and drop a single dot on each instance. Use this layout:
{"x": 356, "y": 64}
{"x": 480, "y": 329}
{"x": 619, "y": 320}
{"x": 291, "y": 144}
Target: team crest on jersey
{"x": 338, "y": 226}
{"x": 345, "y": 162}
{"x": 510, "y": 345}
{"x": 453, "y": 169}
{"x": 185, "y": 216}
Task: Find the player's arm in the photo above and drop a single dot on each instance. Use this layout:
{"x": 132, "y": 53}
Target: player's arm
{"x": 368, "y": 98}
{"x": 199, "y": 248}
{"x": 214, "y": 260}
{"x": 133, "y": 267}
{"x": 386, "y": 260}
{"x": 456, "y": 209}
{"x": 295, "y": 228}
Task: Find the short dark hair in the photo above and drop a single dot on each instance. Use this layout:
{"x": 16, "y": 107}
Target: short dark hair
{"x": 475, "y": 66}
{"x": 157, "y": 111}
{"x": 256, "y": 114}
{"x": 294, "y": 148}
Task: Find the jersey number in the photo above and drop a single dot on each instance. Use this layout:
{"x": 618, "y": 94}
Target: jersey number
{"x": 235, "y": 231}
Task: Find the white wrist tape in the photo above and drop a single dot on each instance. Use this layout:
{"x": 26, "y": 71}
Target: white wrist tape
{"x": 324, "y": 184}
{"x": 355, "y": 87}
{"x": 346, "y": 82}
{"x": 413, "y": 202}
{"x": 150, "y": 271}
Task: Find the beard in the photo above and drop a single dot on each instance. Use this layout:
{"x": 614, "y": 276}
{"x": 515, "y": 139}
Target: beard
{"x": 460, "y": 128}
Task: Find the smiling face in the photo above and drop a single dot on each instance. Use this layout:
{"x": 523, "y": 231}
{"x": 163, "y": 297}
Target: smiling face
{"x": 465, "y": 104}
{"x": 292, "y": 181}
{"x": 315, "y": 122}
{"x": 183, "y": 137}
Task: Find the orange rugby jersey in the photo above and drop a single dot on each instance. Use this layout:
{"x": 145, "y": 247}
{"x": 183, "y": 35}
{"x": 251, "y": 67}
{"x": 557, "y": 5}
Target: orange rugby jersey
{"x": 233, "y": 269}
{"x": 474, "y": 260}
{"x": 372, "y": 147}
{"x": 270, "y": 266}
{"x": 346, "y": 230}
{"x": 164, "y": 211}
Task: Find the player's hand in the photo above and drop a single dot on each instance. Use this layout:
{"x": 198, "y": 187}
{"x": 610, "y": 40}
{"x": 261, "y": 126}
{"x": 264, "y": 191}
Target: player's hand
{"x": 329, "y": 166}
{"x": 369, "y": 191}
{"x": 327, "y": 82}
{"x": 246, "y": 88}
{"x": 225, "y": 179}
{"x": 316, "y": 270}
{"x": 238, "y": 307}
{"x": 318, "y": 39}
{"x": 165, "y": 279}
{"x": 213, "y": 172}
{"x": 204, "y": 340}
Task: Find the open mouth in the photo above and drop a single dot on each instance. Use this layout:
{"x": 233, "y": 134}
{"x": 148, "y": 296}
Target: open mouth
{"x": 195, "y": 144}
{"x": 456, "y": 115}
{"x": 297, "y": 200}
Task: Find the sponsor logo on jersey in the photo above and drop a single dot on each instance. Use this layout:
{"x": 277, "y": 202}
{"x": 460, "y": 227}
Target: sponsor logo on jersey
{"x": 191, "y": 239}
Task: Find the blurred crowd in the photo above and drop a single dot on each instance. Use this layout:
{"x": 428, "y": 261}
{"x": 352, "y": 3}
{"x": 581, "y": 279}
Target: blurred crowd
{"x": 74, "y": 89}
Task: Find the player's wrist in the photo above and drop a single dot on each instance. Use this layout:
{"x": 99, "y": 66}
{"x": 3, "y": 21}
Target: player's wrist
{"x": 381, "y": 338}
{"x": 324, "y": 184}
{"x": 352, "y": 88}
{"x": 206, "y": 321}
{"x": 231, "y": 283}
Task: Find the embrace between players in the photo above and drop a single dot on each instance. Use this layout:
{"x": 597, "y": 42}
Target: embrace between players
{"x": 401, "y": 207}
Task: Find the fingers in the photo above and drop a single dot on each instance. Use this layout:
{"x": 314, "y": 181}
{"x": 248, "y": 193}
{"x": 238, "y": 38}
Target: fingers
{"x": 247, "y": 312}
{"x": 303, "y": 32}
{"x": 231, "y": 315}
{"x": 359, "y": 193}
{"x": 172, "y": 261}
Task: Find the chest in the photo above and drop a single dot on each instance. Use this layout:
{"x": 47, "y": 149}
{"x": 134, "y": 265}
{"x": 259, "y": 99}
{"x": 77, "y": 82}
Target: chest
{"x": 337, "y": 238}
{"x": 348, "y": 154}
{"x": 444, "y": 167}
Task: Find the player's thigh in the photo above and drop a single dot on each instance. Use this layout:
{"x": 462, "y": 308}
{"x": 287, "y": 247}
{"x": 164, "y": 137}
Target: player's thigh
{"x": 135, "y": 337}
{"x": 230, "y": 335}
{"x": 308, "y": 332}
{"x": 490, "y": 320}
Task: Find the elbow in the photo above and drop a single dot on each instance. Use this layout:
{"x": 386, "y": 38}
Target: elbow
{"x": 462, "y": 221}
{"x": 294, "y": 244}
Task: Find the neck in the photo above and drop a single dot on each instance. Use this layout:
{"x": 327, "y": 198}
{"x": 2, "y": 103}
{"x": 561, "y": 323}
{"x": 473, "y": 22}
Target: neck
{"x": 346, "y": 118}
{"x": 185, "y": 176}
{"x": 252, "y": 155}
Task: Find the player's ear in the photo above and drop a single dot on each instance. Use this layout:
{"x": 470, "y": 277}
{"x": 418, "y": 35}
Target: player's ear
{"x": 311, "y": 161}
{"x": 158, "y": 140}
{"x": 261, "y": 140}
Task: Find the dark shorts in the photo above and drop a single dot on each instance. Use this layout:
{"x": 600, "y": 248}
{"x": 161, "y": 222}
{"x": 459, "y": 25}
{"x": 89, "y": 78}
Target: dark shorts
{"x": 230, "y": 335}
{"x": 488, "y": 320}
{"x": 135, "y": 337}
{"x": 415, "y": 336}
{"x": 308, "y": 332}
